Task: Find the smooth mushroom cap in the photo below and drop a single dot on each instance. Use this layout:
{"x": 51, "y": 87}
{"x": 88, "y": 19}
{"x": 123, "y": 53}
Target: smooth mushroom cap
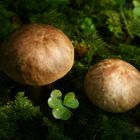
{"x": 37, "y": 54}
{"x": 113, "y": 85}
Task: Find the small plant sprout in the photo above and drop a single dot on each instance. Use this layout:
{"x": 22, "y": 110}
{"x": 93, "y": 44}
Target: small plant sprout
{"x": 61, "y": 108}
{"x": 88, "y": 26}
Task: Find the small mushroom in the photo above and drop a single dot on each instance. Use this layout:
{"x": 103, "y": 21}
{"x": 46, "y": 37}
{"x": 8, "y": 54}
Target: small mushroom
{"x": 36, "y": 55}
{"x": 113, "y": 85}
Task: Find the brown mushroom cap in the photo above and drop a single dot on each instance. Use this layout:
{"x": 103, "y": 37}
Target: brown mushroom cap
{"x": 113, "y": 85}
{"x": 37, "y": 54}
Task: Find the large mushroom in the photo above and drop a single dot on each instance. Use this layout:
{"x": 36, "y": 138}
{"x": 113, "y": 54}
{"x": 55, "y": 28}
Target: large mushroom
{"x": 113, "y": 85}
{"x": 36, "y": 55}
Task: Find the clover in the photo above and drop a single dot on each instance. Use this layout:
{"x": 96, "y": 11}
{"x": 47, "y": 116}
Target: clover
{"x": 61, "y": 108}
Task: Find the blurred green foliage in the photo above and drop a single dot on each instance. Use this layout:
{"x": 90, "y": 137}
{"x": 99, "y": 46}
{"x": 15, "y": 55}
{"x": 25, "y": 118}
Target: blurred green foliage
{"x": 98, "y": 30}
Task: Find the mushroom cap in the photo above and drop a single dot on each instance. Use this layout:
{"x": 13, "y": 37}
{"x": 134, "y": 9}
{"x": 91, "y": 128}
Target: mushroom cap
{"x": 37, "y": 55}
{"x": 113, "y": 85}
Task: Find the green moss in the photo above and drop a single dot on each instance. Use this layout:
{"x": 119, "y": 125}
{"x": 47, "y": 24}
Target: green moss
{"x": 98, "y": 29}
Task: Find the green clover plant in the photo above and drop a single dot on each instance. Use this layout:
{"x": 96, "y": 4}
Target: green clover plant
{"x": 61, "y": 108}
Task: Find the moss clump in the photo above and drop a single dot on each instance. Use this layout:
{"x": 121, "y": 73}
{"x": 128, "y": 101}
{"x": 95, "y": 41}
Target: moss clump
{"x": 98, "y": 30}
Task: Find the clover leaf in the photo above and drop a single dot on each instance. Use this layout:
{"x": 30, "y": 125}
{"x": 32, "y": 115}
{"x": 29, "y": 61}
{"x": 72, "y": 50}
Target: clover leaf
{"x": 56, "y": 93}
{"x": 70, "y": 100}
{"x": 55, "y": 100}
{"x": 62, "y": 113}
{"x": 60, "y": 109}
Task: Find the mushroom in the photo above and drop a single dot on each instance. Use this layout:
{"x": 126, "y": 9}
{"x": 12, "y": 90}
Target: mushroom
{"x": 36, "y": 55}
{"x": 113, "y": 85}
